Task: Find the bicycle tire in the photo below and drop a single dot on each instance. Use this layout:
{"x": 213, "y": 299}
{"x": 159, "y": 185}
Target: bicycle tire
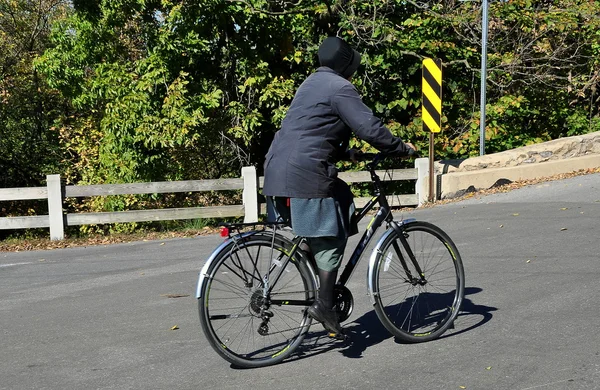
{"x": 232, "y": 304}
{"x": 411, "y": 311}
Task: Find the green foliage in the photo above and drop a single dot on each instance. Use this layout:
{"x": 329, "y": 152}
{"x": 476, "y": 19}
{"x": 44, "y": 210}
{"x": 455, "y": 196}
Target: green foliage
{"x": 28, "y": 143}
{"x": 159, "y": 78}
{"x": 136, "y": 90}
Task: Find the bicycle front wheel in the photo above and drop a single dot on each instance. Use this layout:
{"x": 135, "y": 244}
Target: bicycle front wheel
{"x": 418, "y": 282}
{"x": 253, "y": 302}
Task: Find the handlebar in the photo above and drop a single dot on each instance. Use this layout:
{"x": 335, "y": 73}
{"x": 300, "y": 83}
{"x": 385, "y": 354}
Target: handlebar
{"x": 374, "y": 158}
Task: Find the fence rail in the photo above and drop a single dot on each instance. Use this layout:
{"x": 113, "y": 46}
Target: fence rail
{"x": 250, "y": 208}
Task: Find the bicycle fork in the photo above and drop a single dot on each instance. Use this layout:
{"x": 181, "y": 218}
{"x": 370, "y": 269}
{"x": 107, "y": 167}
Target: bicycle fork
{"x": 398, "y": 230}
{"x": 402, "y": 236}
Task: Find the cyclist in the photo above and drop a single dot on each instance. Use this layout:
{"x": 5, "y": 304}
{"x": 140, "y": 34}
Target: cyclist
{"x": 301, "y": 183}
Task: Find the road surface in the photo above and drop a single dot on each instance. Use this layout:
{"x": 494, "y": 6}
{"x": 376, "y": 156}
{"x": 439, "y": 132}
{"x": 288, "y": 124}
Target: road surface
{"x": 102, "y": 317}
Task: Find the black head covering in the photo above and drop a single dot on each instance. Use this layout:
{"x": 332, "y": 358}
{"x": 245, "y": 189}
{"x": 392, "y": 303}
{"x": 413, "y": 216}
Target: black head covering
{"x": 336, "y": 54}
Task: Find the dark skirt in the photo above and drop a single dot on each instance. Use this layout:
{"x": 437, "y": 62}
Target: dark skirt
{"x": 316, "y": 217}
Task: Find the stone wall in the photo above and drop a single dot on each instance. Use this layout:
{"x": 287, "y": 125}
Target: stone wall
{"x": 455, "y": 177}
{"x": 558, "y": 149}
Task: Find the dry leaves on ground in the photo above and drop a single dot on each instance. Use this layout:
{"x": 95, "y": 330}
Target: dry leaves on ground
{"x": 45, "y": 243}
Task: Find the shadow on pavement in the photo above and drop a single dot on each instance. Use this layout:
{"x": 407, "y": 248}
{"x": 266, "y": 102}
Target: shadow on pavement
{"x": 367, "y": 331}
{"x": 467, "y": 319}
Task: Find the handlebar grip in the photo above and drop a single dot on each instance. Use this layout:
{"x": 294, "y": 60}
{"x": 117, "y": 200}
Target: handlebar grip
{"x": 414, "y": 153}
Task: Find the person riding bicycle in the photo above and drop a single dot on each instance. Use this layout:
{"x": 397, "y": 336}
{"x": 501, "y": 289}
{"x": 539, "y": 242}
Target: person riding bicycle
{"x": 301, "y": 183}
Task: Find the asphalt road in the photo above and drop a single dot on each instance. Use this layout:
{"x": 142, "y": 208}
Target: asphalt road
{"x": 101, "y": 317}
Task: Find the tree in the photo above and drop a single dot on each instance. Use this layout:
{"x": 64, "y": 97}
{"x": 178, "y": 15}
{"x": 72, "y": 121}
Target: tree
{"x": 543, "y": 70}
{"x": 28, "y": 145}
{"x": 174, "y": 90}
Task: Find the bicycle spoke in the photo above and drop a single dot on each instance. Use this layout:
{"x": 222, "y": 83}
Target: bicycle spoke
{"x": 247, "y": 322}
{"x": 420, "y": 308}
{"x": 232, "y": 288}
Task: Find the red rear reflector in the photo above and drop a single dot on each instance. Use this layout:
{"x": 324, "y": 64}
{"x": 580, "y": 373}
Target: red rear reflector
{"x": 224, "y": 232}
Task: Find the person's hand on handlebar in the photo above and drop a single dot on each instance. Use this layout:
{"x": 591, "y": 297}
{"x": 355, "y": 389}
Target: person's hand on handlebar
{"x": 351, "y": 154}
{"x": 412, "y": 152}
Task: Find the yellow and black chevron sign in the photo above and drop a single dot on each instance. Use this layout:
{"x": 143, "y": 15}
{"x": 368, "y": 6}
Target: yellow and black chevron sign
{"x": 432, "y": 95}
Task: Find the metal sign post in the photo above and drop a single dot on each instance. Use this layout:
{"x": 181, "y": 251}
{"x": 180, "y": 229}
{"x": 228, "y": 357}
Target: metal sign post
{"x": 431, "y": 162}
{"x": 484, "y": 39}
{"x": 432, "y": 108}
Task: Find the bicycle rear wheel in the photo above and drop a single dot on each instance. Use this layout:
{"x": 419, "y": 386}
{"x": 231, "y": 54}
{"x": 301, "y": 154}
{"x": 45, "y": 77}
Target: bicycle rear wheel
{"x": 418, "y": 295}
{"x": 253, "y": 300}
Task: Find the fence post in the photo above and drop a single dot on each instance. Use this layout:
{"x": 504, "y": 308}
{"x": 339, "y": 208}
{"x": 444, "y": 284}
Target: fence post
{"x": 422, "y": 165}
{"x": 250, "y": 194}
{"x": 55, "y": 207}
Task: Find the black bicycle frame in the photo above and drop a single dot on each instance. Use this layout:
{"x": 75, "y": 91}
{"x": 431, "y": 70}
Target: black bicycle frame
{"x": 383, "y": 214}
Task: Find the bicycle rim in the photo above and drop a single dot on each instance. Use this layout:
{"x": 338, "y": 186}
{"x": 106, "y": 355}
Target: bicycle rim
{"x": 246, "y": 325}
{"x": 419, "y": 309}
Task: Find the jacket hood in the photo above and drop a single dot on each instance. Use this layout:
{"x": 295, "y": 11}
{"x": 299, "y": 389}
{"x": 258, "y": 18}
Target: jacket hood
{"x": 337, "y": 55}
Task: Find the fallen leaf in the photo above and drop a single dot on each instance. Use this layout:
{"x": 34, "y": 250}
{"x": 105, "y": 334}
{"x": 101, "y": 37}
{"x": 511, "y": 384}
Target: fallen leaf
{"x": 501, "y": 226}
{"x": 162, "y": 243}
{"x": 462, "y": 387}
{"x": 488, "y": 368}
{"x": 564, "y": 208}
{"x": 528, "y": 261}
{"x": 563, "y": 229}
{"x": 515, "y": 214}
{"x": 175, "y": 327}
{"x": 174, "y": 295}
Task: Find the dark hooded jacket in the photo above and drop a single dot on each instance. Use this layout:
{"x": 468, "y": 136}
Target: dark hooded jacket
{"x": 315, "y": 134}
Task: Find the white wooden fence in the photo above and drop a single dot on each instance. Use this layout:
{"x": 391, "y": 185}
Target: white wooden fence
{"x": 250, "y": 183}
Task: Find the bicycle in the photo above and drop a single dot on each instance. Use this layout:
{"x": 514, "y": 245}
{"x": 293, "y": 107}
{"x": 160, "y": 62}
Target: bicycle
{"x": 254, "y": 289}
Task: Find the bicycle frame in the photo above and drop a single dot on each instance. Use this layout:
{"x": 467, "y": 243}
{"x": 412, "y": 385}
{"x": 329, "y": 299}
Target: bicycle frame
{"x": 384, "y": 214}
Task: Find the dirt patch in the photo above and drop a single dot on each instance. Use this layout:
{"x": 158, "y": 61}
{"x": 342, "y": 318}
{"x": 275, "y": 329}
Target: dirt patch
{"x": 19, "y": 245}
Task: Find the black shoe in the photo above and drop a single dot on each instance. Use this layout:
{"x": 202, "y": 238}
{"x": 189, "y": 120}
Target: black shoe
{"x": 328, "y": 317}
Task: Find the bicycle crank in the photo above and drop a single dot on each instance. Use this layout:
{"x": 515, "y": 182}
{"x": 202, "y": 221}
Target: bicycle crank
{"x": 343, "y": 302}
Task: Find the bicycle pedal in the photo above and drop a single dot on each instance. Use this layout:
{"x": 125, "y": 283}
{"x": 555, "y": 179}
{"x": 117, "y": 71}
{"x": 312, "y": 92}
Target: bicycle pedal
{"x": 338, "y": 336}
